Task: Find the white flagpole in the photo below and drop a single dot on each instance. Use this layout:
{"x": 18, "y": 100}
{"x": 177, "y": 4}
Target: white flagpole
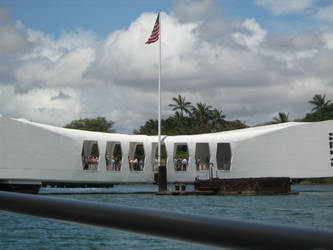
{"x": 159, "y": 95}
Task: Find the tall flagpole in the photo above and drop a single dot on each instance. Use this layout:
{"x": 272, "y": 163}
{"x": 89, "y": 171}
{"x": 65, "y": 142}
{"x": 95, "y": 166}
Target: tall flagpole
{"x": 156, "y": 35}
{"x": 159, "y": 96}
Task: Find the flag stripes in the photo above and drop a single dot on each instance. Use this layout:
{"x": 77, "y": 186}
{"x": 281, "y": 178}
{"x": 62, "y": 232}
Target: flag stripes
{"x": 155, "y": 34}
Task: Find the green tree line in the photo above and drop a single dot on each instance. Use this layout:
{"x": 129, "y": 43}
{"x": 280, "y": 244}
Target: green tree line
{"x": 190, "y": 119}
{"x": 99, "y": 124}
{"x": 201, "y": 118}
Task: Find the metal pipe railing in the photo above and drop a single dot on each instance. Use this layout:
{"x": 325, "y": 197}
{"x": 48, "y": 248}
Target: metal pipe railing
{"x": 206, "y": 230}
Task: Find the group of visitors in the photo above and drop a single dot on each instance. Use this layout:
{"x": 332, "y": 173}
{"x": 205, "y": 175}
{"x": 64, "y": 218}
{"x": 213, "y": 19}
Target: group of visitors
{"x": 90, "y": 162}
{"x": 112, "y": 164}
{"x": 180, "y": 164}
{"x": 135, "y": 164}
{"x": 200, "y": 166}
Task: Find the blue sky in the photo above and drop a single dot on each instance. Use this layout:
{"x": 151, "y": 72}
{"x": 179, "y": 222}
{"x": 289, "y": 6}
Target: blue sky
{"x": 102, "y": 16}
{"x": 69, "y": 59}
{"x": 105, "y": 16}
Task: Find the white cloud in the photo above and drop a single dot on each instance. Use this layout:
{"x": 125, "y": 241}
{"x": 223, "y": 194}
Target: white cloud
{"x": 232, "y": 64}
{"x": 13, "y": 41}
{"x": 66, "y": 71}
{"x": 54, "y": 62}
{"x": 46, "y": 46}
{"x": 285, "y": 6}
{"x": 253, "y": 40}
{"x": 125, "y": 59}
{"x": 37, "y": 105}
{"x": 326, "y": 13}
{"x": 328, "y": 38}
{"x": 61, "y": 95}
{"x": 192, "y": 11}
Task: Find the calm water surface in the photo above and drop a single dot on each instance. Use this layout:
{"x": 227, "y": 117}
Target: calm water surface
{"x": 312, "y": 207}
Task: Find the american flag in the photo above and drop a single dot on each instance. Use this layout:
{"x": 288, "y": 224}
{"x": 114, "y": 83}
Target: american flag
{"x": 155, "y": 34}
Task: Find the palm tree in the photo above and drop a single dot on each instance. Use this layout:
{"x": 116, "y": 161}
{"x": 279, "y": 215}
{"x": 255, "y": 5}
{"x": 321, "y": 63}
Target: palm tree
{"x": 319, "y": 102}
{"x": 149, "y": 128}
{"x": 181, "y": 104}
{"x": 283, "y": 117}
{"x": 202, "y": 113}
{"x": 178, "y": 118}
{"x": 217, "y": 119}
{"x": 151, "y": 125}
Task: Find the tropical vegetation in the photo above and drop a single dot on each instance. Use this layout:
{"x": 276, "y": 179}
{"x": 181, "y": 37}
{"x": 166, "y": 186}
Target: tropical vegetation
{"x": 99, "y": 124}
{"x": 322, "y": 110}
{"x": 190, "y": 119}
{"x": 282, "y": 117}
{"x": 201, "y": 118}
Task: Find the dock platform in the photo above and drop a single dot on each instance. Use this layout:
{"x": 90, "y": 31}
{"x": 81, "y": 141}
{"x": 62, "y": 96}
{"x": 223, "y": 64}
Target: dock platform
{"x": 237, "y": 186}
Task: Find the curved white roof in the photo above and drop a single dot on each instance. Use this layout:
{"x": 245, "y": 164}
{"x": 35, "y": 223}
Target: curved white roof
{"x": 230, "y": 136}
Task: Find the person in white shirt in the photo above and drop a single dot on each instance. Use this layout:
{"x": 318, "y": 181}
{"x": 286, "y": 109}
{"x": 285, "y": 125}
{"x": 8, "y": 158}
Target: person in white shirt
{"x": 184, "y": 163}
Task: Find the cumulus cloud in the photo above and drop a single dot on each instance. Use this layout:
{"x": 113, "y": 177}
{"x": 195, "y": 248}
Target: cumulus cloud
{"x": 231, "y": 63}
{"x": 285, "y": 6}
{"x": 35, "y": 105}
{"x": 13, "y": 42}
{"x": 326, "y": 13}
{"x": 255, "y": 37}
{"x": 328, "y": 39}
{"x": 42, "y": 72}
{"x": 61, "y": 95}
{"x": 46, "y": 46}
{"x": 192, "y": 11}
{"x": 124, "y": 59}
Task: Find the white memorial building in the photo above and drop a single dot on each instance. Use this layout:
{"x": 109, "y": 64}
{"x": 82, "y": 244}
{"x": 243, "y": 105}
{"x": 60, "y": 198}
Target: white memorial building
{"x": 34, "y": 152}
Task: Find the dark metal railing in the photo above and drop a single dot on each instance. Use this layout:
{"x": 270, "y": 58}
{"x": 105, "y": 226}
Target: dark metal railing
{"x": 206, "y": 230}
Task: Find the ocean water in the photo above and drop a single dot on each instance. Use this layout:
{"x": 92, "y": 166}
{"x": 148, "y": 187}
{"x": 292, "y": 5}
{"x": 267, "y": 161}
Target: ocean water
{"x": 313, "y": 207}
